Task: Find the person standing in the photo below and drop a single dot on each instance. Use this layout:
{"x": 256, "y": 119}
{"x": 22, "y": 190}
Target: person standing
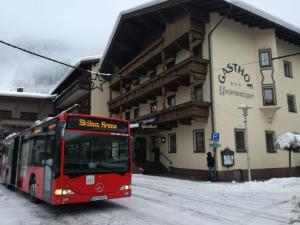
{"x": 211, "y": 167}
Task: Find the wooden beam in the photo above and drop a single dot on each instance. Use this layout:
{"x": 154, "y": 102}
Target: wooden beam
{"x": 185, "y": 121}
{"x": 148, "y": 24}
{"x": 124, "y": 46}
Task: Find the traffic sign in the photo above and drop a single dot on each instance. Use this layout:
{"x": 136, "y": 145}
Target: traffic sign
{"x": 214, "y": 145}
{"x": 215, "y": 137}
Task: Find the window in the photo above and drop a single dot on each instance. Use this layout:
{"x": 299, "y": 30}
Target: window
{"x": 199, "y": 93}
{"x": 269, "y": 95}
{"x": 154, "y": 141}
{"x": 127, "y": 115}
{"x": 172, "y": 143}
{"x": 288, "y": 69}
{"x": 199, "y": 141}
{"x": 127, "y": 88}
{"x": 153, "y": 107}
{"x": 29, "y": 116}
{"x": 240, "y": 140}
{"x": 171, "y": 101}
{"x": 291, "y": 99}
{"x": 270, "y": 140}
{"x": 136, "y": 113}
{"x": 26, "y": 146}
{"x": 197, "y": 51}
{"x": 265, "y": 59}
{"x": 5, "y": 114}
{"x": 39, "y": 151}
{"x": 170, "y": 62}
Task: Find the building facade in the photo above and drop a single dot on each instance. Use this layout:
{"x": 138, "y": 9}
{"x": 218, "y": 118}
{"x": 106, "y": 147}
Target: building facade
{"x": 182, "y": 68}
{"x": 19, "y": 110}
{"x": 78, "y": 86}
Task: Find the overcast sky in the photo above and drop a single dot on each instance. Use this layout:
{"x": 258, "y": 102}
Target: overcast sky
{"x": 83, "y": 25}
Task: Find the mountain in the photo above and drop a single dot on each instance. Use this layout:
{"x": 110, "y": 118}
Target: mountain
{"x": 20, "y": 69}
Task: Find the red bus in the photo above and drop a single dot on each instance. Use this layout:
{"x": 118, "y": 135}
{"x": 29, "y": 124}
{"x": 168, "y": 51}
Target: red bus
{"x": 69, "y": 159}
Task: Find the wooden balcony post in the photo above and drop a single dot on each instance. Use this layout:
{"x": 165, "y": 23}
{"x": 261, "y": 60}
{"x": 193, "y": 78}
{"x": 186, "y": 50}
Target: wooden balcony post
{"x": 163, "y": 60}
{"x": 163, "y": 92}
{"x": 192, "y": 89}
{"x": 120, "y": 112}
{"x": 121, "y": 87}
{"x": 191, "y": 48}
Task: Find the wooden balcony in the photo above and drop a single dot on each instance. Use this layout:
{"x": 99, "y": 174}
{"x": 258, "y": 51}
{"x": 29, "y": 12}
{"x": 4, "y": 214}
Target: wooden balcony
{"x": 153, "y": 50}
{"x": 179, "y": 74}
{"x": 180, "y": 114}
{"x": 71, "y": 95}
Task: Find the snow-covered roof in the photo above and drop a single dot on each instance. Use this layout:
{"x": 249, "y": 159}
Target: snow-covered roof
{"x": 16, "y": 94}
{"x": 264, "y": 14}
{"x": 94, "y": 58}
{"x": 237, "y": 3}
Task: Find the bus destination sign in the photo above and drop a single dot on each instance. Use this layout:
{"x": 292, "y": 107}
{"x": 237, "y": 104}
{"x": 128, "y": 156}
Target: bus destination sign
{"x": 96, "y": 124}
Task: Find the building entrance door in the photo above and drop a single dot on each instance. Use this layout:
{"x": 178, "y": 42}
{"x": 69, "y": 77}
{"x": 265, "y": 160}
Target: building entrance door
{"x": 140, "y": 147}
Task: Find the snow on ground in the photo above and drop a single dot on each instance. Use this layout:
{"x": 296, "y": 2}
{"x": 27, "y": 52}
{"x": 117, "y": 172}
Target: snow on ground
{"x": 168, "y": 201}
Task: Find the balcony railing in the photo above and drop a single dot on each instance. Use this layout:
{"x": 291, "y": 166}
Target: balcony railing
{"x": 183, "y": 113}
{"x": 178, "y": 74}
{"x": 74, "y": 92}
{"x": 140, "y": 59}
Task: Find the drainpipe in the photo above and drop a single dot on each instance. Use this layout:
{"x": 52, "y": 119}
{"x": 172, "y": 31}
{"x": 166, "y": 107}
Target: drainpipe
{"x": 211, "y": 78}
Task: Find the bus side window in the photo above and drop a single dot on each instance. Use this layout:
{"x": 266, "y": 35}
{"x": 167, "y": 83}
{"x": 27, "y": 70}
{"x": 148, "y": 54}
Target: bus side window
{"x": 38, "y": 151}
{"x": 50, "y": 148}
{"x": 25, "y": 149}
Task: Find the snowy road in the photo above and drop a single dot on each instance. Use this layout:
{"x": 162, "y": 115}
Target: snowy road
{"x": 166, "y": 201}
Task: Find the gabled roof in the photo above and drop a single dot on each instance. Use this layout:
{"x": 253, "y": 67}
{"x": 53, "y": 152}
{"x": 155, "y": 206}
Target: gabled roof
{"x": 150, "y": 15}
{"x": 70, "y": 73}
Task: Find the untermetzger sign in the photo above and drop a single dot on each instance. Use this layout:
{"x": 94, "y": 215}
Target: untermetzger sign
{"x": 230, "y": 86}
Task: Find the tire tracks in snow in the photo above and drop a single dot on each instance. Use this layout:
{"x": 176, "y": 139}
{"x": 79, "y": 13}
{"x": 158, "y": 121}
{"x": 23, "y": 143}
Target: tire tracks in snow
{"x": 245, "y": 212}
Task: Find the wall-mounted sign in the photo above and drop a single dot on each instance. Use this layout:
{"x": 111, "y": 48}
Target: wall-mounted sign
{"x": 148, "y": 123}
{"x": 235, "y": 81}
{"x": 227, "y": 157}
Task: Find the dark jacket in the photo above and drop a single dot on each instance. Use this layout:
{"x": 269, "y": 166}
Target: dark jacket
{"x": 210, "y": 161}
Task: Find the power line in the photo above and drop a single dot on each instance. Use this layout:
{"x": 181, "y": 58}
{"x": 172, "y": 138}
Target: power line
{"x": 285, "y": 56}
{"x": 115, "y": 75}
{"x": 47, "y": 58}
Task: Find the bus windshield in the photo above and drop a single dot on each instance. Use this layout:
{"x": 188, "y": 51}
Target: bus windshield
{"x": 94, "y": 153}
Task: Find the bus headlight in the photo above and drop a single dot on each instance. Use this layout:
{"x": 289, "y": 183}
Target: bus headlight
{"x": 125, "y": 187}
{"x": 64, "y": 192}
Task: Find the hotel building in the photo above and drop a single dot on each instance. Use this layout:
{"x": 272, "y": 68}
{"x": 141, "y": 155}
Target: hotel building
{"x": 182, "y": 68}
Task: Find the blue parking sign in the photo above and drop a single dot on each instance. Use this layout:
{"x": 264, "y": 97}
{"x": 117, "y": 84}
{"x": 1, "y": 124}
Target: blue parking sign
{"x": 215, "y": 137}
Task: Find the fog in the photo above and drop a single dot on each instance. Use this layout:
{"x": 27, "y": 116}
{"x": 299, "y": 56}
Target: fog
{"x": 69, "y": 30}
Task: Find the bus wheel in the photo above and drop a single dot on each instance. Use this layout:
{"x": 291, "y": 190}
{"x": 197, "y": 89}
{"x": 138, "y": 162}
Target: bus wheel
{"x": 32, "y": 190}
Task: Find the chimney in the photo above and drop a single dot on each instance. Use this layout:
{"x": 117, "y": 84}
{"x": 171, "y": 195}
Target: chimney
{"x": 20, "y": 89}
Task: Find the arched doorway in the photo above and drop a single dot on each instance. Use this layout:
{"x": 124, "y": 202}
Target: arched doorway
{"x": 140, "y": 147}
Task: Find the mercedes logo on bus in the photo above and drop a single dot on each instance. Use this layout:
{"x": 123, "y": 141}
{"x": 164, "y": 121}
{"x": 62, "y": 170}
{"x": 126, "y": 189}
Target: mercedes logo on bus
{"x": 99, "y": 187}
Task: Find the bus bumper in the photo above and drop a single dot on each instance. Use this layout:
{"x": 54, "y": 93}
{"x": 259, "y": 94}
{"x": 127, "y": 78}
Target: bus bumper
{"x": 77, "y": 198}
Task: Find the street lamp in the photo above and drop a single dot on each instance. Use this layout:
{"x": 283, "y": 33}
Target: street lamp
{"x": 245, "y": 109}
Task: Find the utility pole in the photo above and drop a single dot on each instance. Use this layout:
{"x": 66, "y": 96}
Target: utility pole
{"x": 245, "y": 109}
